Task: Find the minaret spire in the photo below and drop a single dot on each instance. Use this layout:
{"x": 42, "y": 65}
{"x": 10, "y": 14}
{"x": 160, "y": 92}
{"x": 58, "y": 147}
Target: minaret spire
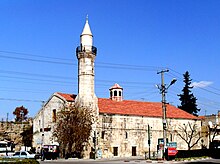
{"x": 86, "y": 29}
{"x": 87, "y": 18}
{"x": 86, "y": 38}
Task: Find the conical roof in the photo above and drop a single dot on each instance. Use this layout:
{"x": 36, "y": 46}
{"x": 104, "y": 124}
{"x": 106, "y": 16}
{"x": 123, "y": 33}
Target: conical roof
{"x": 116, "y": 86}
{"x": 86, "y": 29}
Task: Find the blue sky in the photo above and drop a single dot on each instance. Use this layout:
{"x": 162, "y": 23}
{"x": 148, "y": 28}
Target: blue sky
{"x": 135, "y": 40}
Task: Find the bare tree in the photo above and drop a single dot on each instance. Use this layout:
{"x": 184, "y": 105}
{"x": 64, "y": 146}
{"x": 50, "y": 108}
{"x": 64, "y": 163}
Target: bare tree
{"x": 190, "y": 134}
{"x": 213, "y": 131}
{"x": 73, "y": 128}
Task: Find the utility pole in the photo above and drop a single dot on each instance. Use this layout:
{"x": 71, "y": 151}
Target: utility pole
{"x": 163, "y": 93}
{"x": 149, "y": 137}
{"x": 42, "y": 142}
{"x": 7, "y": 121}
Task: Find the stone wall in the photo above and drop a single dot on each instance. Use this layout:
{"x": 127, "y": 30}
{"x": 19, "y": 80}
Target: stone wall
{"x": 130, "y": 133}
{"x": 117, "y": 135}
{"x": 11, "y": 131}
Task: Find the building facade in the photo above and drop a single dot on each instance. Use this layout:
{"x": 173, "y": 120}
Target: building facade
{"x": 210, "y": 129}
{"x": 123, "y": 128}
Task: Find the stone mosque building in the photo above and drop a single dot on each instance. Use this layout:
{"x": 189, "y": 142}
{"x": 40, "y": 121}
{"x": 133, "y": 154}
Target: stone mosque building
{"x": 122, "y": 125}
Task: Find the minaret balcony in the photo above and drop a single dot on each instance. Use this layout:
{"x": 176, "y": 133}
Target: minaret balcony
{"x": 85, "y": 48}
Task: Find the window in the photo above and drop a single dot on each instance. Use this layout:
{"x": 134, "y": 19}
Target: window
{"x": 3, "y": 145}
{"x": 23, "y": 153}
{"x": 134, "y": 151}
{"x": 115, "y": 93}
{"x": 54, "y": 117}
{"x": 119, "y": 93}
{"x": 115, "y": 151}
{"x": 16, "y": 153}
{"x": 126, "y": 135}
{"x": 103, "y": 135}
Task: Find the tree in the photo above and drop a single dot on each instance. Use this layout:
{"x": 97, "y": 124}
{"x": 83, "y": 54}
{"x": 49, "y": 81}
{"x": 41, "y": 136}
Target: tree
{"x": 73, "y": 128}
{"x": 20, "y": 114}
{"x": 190, "y": 134}
{"x": 27, "y": 136}
{"x": 188, "y": 101}
{"x": 212, "y": 133}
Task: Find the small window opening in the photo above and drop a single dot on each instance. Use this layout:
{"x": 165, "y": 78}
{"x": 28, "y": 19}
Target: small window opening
{"x": 111, "y": 94}
{"x": 103, "y": 134}
{"x": 54, "y": 115}
{"x": 126, "y": 135}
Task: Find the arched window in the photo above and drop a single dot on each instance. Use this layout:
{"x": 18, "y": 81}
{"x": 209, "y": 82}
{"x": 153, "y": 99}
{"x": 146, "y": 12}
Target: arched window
{"x": 115, "y": 93}
{"x": 119, "y": 93}
{"x": 111, "y": 94}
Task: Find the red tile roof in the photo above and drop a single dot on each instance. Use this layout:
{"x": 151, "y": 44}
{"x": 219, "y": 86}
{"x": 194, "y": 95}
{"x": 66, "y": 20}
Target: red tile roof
{"x": 136, "y": 108}
{"x": 202, "y": 117}
{"x": 68, "y": 97}
{"x": 116, "y": 86}
{"x": 139, "y": 108}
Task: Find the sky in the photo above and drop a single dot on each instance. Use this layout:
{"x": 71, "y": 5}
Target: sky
{"x": 135, "y": 39}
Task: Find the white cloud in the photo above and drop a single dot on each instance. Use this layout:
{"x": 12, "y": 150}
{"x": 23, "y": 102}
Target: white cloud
{"x": 201, "y": 84}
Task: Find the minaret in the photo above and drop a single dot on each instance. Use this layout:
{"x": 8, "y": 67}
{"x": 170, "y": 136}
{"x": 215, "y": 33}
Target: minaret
{"x": 86, "y": 54}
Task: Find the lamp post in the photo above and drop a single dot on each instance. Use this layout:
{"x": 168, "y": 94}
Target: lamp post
{"x": 163, "y": 90}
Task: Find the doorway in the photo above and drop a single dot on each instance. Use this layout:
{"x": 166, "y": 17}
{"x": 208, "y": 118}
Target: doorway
{"x": 134, "y": 153}
{"x": 115, "y": 151}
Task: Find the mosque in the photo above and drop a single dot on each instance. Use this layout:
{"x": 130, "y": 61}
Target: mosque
{"x": 122, "y": 128}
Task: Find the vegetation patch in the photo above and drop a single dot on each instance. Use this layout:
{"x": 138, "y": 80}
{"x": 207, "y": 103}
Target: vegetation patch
{"x": 18, "y": 161}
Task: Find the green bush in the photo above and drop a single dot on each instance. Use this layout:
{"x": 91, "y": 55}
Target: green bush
{"x": 18, "y": 161}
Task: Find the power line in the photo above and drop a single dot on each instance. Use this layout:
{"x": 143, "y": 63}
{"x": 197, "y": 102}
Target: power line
{"x": 98, "y": 64}
{"x": 34, "y": 74}
{"x": 45, "y": 76}
{"x": 26, "y": 100}
{"x": 35, "y": 60}
{"x": 27, "y": 54}
{"x": 207, "y": 90}
{"x": 23, "y": 78}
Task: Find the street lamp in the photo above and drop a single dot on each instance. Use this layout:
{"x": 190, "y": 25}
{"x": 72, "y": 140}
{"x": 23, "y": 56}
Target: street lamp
{"x": 163, "y": 90}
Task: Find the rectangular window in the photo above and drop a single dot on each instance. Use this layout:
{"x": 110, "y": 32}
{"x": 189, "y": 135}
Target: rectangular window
{"x": 126, "y": 135}
{"x": 54, "y": 117}
{"x": 103, "y": 135}
{"x": 134, "y": 151}
{"x": 115, "y": 151}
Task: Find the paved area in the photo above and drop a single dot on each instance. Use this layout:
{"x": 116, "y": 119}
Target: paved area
{"x": 115, "y": 161}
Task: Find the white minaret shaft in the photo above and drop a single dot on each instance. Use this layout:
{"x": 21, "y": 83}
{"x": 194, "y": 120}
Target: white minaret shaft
{"x": 86, "y": 54}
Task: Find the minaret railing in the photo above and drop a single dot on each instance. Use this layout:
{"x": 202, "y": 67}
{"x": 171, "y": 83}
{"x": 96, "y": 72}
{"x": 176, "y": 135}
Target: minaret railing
{"x": 85, "y": 48}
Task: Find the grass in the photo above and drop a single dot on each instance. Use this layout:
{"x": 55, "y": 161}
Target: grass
{"x": 18, "y": 161}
